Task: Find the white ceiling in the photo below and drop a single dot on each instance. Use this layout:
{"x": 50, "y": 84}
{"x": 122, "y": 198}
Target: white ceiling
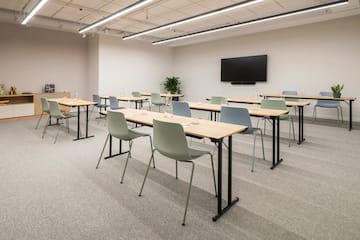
{"x": 71, "y": 15}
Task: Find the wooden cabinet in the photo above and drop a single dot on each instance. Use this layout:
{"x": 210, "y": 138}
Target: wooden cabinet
{"x": 17, "y": 106}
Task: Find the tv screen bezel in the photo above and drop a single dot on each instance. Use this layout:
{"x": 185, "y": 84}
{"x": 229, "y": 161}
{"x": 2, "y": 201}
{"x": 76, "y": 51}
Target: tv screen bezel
{"x": 239, "y": 81}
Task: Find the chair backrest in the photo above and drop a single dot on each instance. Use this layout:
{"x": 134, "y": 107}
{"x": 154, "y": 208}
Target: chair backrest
{"x": 156, "y": 98}
{"x": 114, "y": 103}
{"x": 218, "y": 100}
{"x": 136, "y": 94}
{"x": 290, "y": 92}
{"x": 55, "y": 110}
{"x": 44, "y": 105}
{"x": 273, "y": 104}
{"x": 117, "y": 125}
{"x": 96, "y": 98}
{"x": 181, "y": 108}
{"x": 235, "y": 115}
{"x": 327, "y": 102}
{"x": 170, "y": 140}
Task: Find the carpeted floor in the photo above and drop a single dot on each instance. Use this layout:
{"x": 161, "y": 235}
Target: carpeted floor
{"x": 53, "y": 191}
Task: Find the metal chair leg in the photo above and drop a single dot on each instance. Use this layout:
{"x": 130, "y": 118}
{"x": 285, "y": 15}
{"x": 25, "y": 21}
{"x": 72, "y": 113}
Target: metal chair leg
{"x": 44, "y": 131}
{"x": 147, "y": 171}
{"x": 102, "y": 151}
{"x": 176, "y": 169}
{"x": 253, "y": 157}
{"x": 151, "y": 146}
{"x": 262, "y": 144}
{"x": 127, "y": 160}
{"x": 213, "y": 172}
{"x": 189, "y": 191}
{"x": 37, "y": 125}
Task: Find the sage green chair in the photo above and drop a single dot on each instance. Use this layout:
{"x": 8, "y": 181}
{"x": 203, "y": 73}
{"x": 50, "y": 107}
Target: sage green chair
{"x": 156, "y": 100}
{"x": 45, "y": 110}
{"x": 218, "y": 100}
{"x": 138, "y": 94}
{"x": 279, "y": 105}
{"x": 170, "y": 141}
{"x": 118, "y": 128}
{"x": 59, "y": 116}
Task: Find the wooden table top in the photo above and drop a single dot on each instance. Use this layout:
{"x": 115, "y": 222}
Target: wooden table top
{"x": 127, "y": 98}
{"x": 72, "y": 102}
{"x": 258, "y": 101}
{"x": 253, "y": 111}
{"x": 309, "y": 97}
{"x": 165, "y": 94}
{"x": 192, "y": 126}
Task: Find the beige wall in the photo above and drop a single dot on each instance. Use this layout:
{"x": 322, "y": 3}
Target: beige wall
{"x": 31, "y": 57}
{"x": 307, "y": 58}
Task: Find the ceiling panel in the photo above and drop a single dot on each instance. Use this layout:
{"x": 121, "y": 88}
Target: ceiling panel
{"x": 160, "y": 12}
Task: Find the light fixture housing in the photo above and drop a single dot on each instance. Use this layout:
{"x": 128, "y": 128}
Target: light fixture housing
{"x": 117, "y": 14}
{"x": 194, "y": 18}
{"x": 253, "y": 21}
{"x": 34, "y": 11}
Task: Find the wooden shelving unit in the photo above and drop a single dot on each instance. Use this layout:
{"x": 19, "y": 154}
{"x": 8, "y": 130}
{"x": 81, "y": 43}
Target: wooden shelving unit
{"x": 17, "y": 106}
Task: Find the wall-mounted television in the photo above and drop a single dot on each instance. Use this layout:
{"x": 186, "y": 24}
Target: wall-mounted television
{"x": 244, "y": 70}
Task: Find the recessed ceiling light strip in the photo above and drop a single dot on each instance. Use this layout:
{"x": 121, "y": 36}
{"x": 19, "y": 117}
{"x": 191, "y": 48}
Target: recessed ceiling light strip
{"x": 33, "y": 11}
{"x": 194, "y": 18}
{"x": 117, "y": 14}
{"x": 258, "y": 20}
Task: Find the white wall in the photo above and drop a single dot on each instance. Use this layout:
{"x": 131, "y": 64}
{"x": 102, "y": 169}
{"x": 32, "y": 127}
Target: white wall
{"x": 127, "y": 66}
{"x": 31, "y": 57}
{"x": 307, "y": 58}
{"x": 93, "y": 66}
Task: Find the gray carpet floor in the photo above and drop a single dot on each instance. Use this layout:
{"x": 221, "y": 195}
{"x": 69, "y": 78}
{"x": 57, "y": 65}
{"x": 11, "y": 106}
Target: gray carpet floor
{"x": 53, "y": 191}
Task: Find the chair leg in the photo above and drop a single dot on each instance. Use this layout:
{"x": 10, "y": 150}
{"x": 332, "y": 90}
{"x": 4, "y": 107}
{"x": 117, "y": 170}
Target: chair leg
{"x": 147, "y": 171}
{"x": 189, "y": 191}
{"x": 47, "y": 124}
{"x": 314, "y": 113}
{"x": 176, "y": 169}
{"x": 293, "y": 129}
{"x": 213, "y": 172}
{"x": 253, "y": 157}
{"x": 57, "y": 134}
{"x": 342, "y": 119}
{"x": 102, "y": 151}
{"x": 37, "y": 125}
{"x": 126, "y": 163}
{"x": 337, "y": 113}
{"x": 262, "y": 143}
{"x": 151, "y": 150}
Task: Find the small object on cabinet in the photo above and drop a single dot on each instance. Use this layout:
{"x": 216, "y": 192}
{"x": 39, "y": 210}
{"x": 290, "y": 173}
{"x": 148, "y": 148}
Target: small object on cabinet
{"x": 12, "y": 91}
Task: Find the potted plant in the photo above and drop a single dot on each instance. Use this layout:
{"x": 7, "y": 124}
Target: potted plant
{"x": 336, "y": 89}
{"x": 172, "y": 84}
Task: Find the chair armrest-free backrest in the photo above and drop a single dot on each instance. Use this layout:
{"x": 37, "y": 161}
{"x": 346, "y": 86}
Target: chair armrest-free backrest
{"x": 117, "y": 125}
{"x": 44, "y": 105}
{"x": 273, "y": 104}
{"x": 218, "y": 100}
{"x": 55, "y": 110}
{"x": 181, "y": 108}
{"x": 114, "y": 103}
{"x": 170, "y": 140}
{"x": 290, "y": 92}
{"x": 136, "y": 94}
{"x": 96, "y": 98}
{"x": 235, "y": 115}
{"x": 156, "y": 98}
{"x": 327, "y": 103}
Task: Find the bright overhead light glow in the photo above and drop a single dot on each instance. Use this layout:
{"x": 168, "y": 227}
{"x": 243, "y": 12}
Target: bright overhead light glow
{"x": 264, "y": 19}
{"x": 117, "y": 14}
{"x": 33, "y": 11}
{"x": 198, "y": 17}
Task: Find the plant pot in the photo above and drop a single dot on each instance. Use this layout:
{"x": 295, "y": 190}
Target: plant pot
{"x": 336, "y": 95}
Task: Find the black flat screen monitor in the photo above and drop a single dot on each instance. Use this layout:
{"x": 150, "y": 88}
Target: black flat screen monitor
{"x": 244, "y": 69}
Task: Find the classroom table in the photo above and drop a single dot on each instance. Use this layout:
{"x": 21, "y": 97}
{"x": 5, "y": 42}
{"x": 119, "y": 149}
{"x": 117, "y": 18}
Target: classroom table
{"x": 345, "y": 99}
{"x": 169, "y": 96}
{"x": 256, "y": 112}
{"x": 74, "y": 102}
{"x": 138, "y": 100}
{"x": 216, "y": 131}
{"x": 299, "y": 104}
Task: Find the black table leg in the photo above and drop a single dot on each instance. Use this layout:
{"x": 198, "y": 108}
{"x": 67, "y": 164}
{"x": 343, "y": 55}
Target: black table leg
{"x": 276, "y": 143}
{"x": 110, "y": 149}
{"x": 86, "y": 125}
{"x": 301, "y": 124}
{"x": 350, "y": 115}
{"x": 221, "y": 211}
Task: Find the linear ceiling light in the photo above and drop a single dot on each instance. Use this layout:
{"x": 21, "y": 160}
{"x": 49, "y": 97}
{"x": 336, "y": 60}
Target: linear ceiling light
{"x": 33, "y": 11}
{"x": 258, "y": 20}
{"x": 117, "y": 14}
{"x": 194, "y": 18}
